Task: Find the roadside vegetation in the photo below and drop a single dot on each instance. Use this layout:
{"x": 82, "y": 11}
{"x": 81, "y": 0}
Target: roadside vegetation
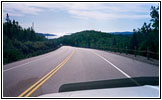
{"x": 143, "y": 40}
{"x": 20, "y": 43}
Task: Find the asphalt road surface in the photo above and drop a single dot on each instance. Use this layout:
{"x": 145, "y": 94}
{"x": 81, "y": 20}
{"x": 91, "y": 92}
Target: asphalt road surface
{"x": 46, "y": 73}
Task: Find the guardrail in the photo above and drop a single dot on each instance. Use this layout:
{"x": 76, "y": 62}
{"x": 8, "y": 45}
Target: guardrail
{"x": 147, "y": 53}
{"x": 135, "y": 52}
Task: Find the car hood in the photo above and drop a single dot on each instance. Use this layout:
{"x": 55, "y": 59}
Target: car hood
{"x": 135, "y": 91}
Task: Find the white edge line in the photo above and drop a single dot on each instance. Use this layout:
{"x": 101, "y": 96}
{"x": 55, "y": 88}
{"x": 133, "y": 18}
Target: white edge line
{"x": 112, "y": 65}
{"x": 23, "y": 64}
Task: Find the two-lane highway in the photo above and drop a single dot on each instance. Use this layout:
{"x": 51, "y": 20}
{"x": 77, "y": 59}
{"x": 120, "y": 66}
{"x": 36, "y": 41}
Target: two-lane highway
{"x": 46, "y": 73}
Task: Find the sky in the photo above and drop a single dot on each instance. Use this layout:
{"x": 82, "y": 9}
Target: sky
{"x": 65, "y": 18}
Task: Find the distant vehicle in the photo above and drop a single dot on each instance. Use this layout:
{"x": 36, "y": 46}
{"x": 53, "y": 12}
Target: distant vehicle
{"x": 127, "y": 87}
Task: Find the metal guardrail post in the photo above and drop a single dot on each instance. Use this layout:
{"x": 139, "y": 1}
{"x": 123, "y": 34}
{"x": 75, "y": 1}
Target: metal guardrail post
{"x": 120, "y": 51}
{"x": 135, "y": 52}
{"x": 148, "y": 55}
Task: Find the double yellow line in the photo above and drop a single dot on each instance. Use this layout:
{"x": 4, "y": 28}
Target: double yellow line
{"x": 35, "y": 86}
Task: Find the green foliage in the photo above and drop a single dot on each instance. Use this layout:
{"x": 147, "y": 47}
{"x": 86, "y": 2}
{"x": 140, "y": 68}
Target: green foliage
{"x": 95, "y": 39}
{"x": 147, "y": 37}
{"x": 155, "y": 17}
{"x": 143, "y": 39}
{"x": 19, "y": 43}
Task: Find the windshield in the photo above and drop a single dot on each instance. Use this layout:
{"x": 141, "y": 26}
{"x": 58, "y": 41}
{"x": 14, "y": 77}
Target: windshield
{"x": 55, "y": 47}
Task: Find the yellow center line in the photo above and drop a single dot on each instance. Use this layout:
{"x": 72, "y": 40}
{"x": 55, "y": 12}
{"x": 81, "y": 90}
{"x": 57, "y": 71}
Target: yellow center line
{"x": 37, "y": 82}
{"x": 45, "y": 78}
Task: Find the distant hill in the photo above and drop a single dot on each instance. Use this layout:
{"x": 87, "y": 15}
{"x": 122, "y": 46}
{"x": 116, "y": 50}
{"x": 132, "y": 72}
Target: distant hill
{"x": 125, "y": 33}
{"x": 95, "y": 39}
{"x": 45, "y": 34}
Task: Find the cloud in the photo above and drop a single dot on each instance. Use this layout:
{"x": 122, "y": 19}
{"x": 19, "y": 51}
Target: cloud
{"x": 98, "y": 11}
{"x": 104, "y": 16}
{"x": 20, "y": 9}
{"x": 109, "y": 11}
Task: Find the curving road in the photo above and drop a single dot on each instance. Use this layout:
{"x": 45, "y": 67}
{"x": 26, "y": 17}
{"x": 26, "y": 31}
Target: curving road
{"x": 68, "y": 65}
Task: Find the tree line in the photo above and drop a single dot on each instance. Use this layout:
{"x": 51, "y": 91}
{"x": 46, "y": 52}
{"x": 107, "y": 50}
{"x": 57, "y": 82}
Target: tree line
{"x": 145, "y": 38}
{"x": 20, "y": 43}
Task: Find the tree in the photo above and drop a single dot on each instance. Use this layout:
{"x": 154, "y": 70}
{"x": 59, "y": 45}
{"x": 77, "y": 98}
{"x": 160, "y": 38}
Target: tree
{"x": 155, "y": 17}
{"x": 20, "y": 43}
{"x": 155, "y": 24}
{"x": 147, "y": 36}
{"x": 7, "y": 18}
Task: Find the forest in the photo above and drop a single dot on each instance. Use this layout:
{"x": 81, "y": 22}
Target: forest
{"x": 20, "y": 43}
{"x": 143, "y": 41}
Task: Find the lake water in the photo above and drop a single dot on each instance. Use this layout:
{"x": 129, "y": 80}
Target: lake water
{"x": 52, "y": 37}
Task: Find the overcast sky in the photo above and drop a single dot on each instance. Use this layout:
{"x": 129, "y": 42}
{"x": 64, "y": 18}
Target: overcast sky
{"x": 63, "y": 18}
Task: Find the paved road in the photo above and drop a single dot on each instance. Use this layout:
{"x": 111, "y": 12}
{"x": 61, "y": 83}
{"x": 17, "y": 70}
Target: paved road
{"x": 77, "y": 65}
